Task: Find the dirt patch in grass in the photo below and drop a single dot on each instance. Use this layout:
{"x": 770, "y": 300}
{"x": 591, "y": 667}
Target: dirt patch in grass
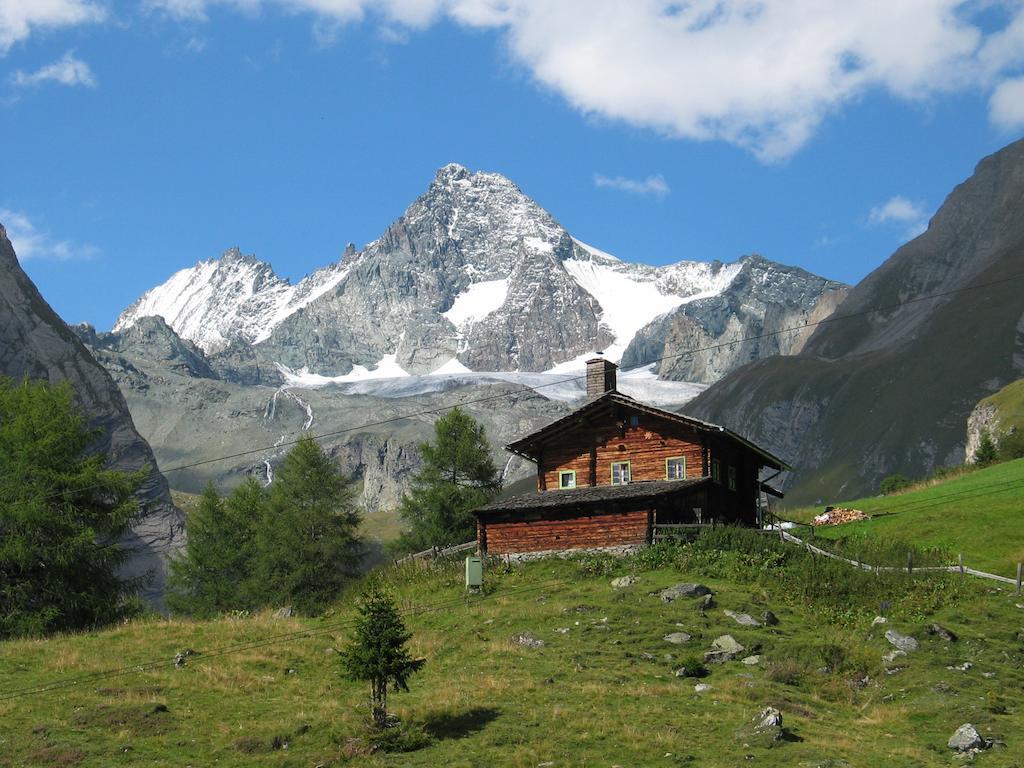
{"x": 52, "y": 754}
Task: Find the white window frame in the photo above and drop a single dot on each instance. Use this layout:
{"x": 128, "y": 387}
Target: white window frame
{"x": 563, "y": 473}
{"x": 629, "y": 472}
{"x": 668, "y": 473}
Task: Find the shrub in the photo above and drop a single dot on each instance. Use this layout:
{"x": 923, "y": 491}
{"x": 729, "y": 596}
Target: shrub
{"x": 893, "y": 484}
{"x": 693, "y": 666}
{"x": 786, "y": 672}
{"x": 1011, "y": 446}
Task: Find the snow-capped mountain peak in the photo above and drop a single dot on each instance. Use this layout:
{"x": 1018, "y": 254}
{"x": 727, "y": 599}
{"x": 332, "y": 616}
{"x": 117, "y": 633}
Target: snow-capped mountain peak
{"x": 474, "y": 271}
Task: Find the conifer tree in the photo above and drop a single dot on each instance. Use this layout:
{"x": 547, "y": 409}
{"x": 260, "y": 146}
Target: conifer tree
{"x": 212, "y": 573}
{"x": 61, "y": 516}
{"x": 987, "y": 452}
{"x": 458, "y": 474}
{"x": 307, "y": 544}
{"x": 377, "y": 651}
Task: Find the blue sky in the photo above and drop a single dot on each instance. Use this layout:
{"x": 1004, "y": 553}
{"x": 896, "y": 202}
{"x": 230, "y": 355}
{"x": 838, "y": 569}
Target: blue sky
{"x": 142, "y": 137}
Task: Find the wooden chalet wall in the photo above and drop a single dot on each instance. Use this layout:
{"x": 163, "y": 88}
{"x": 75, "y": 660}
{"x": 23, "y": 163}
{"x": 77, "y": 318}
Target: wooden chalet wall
{"x": 590, "y": 449}
{"x": 728, "y": 504}
{"x": 544, "y": 534}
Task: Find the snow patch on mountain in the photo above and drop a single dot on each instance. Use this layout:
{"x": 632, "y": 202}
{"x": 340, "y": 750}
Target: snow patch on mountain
{"x": 477, "y": 301}
{"x": 390, "y": 381}
{"x": 632, "y": 295}
{"x": 233, "y": 297}
{"x": 387, "y": 368}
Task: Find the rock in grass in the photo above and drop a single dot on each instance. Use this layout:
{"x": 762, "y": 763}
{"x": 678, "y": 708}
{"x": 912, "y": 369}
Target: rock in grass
{"x": 527, "y": 640}
{"x": 678, "y": 638}
{"x": 903, "y": 642}
{"x": 892, "y": 655}
{"x": 284, "y": 613}
{"x": 769, "y": 619}
{"x": 967, "y": 738}
{"x": 723, "y": 649}
{"x": 701, "y": 687}
{"x": 752, "y": 661}
{"x": 624, "y": 581}
{"x": 744, "y": 619}
{"x": 940, "y": 631}
{"x": 769, "y": 717}
{"x": 706, "y": 603}
{"x": 878, "y": 620}
{"x": 669, "y": 594}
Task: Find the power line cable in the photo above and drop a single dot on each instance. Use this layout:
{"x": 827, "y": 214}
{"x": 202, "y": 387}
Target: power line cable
{"x": 571, "y": 379}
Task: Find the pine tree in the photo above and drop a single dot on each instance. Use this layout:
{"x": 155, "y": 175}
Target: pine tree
{"x": 987, "y": 452}
{"x": 458, "y": 474}
{"x": 307, "y": 545}
{"x": 212, "y": 573}
{"x": 377, "y": 652}
{"x": 61, "y": 516}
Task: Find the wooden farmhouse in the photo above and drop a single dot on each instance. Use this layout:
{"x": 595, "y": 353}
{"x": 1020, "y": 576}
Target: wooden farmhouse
{"x": 613, "y": 470}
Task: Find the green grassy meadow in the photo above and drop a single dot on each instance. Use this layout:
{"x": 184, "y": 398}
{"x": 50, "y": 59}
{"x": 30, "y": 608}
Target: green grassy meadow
{"x": 589, "y": 697}
{"x": 979, "y": 514}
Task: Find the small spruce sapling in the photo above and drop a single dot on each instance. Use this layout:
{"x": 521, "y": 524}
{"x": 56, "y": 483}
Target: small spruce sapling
{"x": 987, "y": 452}
{"x": 377, "y": 652}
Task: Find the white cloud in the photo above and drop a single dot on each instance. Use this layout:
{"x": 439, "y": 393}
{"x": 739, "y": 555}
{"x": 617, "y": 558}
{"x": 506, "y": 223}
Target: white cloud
{"x": 30, "y": 243}
{"x": 652, "y": 185}
{"x": 1006, "y": 107}
{"x": 761, "y": 74}
{"x": 68, "y": 70}
{"x": 900, "y": 211}
{"x": 18, "y": 18}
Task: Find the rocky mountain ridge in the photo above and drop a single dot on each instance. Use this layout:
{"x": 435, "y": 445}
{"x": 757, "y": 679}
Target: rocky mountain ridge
{"x": 474, "y": 275}
{"x": 889, "y": 389}
{"x": 35, "y": 343}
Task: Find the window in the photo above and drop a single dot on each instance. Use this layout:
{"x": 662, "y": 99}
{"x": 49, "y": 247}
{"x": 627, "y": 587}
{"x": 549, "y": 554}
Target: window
{"x": 620, "y": 472}
{"x": 567, "y": 479}
{"x": 716, "y": 470}
{"x": 634, "y": 421}
{"x": 675, "y": 468}
{"x": 732, "y": 478}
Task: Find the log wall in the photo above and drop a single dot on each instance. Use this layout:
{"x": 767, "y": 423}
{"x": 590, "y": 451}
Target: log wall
{"x": 591, "y": 449}
{"x": 608, "y": 529}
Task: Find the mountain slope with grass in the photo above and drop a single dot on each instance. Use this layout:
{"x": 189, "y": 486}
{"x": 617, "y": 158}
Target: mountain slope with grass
{"x": 979, "y": 514}
{"x": 552, "y": 665}
{"x": 886, "y": 385}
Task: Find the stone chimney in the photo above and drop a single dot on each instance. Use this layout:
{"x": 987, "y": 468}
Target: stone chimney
{"x": 600, "y": 377}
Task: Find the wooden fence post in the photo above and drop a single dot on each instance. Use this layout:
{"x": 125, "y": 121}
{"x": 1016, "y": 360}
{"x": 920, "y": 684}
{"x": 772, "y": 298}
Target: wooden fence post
{"x": 910, "y": 562}
{"x": 963, "y": 574}
{"x": 1020, "y": 568}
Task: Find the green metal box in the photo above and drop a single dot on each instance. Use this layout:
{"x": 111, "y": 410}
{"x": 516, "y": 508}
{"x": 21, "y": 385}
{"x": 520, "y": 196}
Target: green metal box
{"x": 474, "y": 571}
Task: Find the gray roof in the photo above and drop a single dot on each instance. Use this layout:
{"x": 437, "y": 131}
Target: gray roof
{"x": 590, "y": 494}
{"x": 524, "y": 446}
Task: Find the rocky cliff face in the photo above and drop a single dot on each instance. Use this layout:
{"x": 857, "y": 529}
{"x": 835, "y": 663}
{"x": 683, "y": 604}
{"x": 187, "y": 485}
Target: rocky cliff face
{"x": 476, "y": 275}
{"x": 35, "y": 343}
{"x": 890, "y": 389}
{"x": 750, "y": 321}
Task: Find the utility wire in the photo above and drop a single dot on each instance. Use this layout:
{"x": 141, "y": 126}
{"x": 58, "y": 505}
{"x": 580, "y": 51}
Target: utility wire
{"x": 568, "y": 380}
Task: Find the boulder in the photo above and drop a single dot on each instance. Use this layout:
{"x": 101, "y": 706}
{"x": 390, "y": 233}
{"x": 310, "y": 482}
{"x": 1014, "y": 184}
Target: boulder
{"x": 940, "y": 631}
{"x": 706, "y": 603}
{"x": 527, "y": 640}
{"x": 677, "y": 638}
{"x": 723, "y": 649}
{"x": 284, "y": 613}
{"x": 903, "y": 642}
{"x": 967, "y": 738}
{"x": 624, "y": 581}
{"x": 744, "y": 619}
{"x": 752, "y": 661}
{"x": 701, "y": 687}
{"x": 767, "y": 718}
{"x": 669, "y": 594}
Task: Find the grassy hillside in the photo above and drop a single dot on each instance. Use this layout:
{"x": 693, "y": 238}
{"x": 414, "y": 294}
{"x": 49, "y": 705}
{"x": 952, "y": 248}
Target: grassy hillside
{"x": 1009, "y": 404}
{"x": 980, "y": 514}
{"x": 601, "y": 691}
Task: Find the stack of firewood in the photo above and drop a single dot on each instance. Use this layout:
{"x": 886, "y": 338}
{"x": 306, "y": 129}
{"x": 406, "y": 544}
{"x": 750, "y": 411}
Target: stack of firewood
{"x": 838, "y": 516}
